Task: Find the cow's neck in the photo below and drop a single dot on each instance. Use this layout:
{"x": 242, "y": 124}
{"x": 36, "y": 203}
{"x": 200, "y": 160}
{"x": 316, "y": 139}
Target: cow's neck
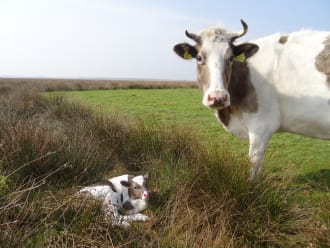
{"x": 243, "y": 96}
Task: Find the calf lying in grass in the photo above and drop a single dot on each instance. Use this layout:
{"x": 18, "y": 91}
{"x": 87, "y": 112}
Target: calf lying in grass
{"x": 124, "y": 197}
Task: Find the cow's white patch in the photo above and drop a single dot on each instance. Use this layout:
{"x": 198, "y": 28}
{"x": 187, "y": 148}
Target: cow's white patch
{"x": 236, "y": 126}
{"x": 215, "y": 50}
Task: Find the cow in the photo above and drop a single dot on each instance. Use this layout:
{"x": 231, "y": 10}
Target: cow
{"x": 278, "y": 83}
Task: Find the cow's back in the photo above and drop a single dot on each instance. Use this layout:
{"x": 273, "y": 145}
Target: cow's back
{"x": 288, "y": 67}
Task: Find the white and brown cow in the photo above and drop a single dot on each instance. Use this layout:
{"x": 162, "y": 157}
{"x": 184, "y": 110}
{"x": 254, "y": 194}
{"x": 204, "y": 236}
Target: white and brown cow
{"x": 279, "y": 83}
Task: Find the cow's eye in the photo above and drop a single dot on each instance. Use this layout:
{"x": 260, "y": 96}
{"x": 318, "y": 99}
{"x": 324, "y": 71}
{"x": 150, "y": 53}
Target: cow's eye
{"x": 199, "y": 58}
{"x": 231, "y": 58}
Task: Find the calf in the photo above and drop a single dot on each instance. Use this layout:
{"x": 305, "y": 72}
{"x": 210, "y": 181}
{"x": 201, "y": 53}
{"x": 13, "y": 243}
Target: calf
{"x": 124, "y": 197}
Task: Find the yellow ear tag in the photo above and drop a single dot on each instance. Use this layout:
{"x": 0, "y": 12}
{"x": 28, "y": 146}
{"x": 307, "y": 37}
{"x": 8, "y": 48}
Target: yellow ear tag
{"x": 240, "y": 58}
{"x": 187, "y": 55}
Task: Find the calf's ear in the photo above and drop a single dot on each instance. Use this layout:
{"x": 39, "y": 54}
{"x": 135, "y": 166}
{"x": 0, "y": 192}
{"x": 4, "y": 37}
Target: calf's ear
{"x": 246, "y": 50}
{"x": 125, "y": 183}
{"x": 185, "y": 50}
{"x": 147, "y": 176}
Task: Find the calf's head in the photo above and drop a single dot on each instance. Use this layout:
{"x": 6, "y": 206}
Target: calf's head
{"x": 138, "y": 194}
{"x": 215, "y": 53}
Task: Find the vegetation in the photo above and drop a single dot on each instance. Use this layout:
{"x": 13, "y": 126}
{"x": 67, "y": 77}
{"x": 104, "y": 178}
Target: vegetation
{"x": 287, "y": 153}
{"x": 50, "y": 146}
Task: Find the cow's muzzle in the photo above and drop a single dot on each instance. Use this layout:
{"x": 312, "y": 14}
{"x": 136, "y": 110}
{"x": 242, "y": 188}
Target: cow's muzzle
{"x": 217, "y": 100}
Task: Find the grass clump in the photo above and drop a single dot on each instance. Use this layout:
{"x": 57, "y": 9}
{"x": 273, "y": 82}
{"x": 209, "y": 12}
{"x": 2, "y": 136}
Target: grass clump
{"x": 49, "y": 147}
{"x": 218, "y": 207}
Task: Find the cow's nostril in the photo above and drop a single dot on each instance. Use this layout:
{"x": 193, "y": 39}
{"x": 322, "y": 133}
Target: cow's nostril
{"x": 213, "y": 98}
{"x": 224, "y": 98}
{"x": 210, "y": 98}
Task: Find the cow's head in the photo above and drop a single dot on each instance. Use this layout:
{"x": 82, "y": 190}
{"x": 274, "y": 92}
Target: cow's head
{"x": 215, "y": 53}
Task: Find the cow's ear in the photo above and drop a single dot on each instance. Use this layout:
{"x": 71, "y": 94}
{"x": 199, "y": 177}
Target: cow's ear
{"x": 185, "y": 50}
{"x": 125, "y": 183}
{"x": 245, "y": 51}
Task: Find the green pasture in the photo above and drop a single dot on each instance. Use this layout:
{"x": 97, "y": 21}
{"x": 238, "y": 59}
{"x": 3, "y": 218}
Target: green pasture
{"x": 306, "y": 158}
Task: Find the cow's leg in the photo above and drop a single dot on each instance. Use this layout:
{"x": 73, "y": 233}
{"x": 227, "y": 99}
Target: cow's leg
{"x": 258, "y": 144}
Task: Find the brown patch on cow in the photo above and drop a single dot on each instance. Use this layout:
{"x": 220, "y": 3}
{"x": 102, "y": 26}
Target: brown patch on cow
{"x": 203, "y": 77}
{"x": 283, "y": 39}
{"x": 241, "y": 90}
{"x": 243, "y": 96}
{"x": 224, "y": 115}
{"x": 226, "y": 74}
{"x": 322, "y": 60}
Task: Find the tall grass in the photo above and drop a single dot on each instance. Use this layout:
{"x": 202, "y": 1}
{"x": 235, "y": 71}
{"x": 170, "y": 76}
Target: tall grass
{"x": 49, "y": 147}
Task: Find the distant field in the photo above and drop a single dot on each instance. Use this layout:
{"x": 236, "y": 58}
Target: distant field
{"x": 50, "y": 84}
{"x": 288, "y": 153}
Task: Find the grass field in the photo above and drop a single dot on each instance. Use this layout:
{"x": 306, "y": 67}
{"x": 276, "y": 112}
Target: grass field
{"x": 287, "y": 153}
{"x": 51, "y": 144}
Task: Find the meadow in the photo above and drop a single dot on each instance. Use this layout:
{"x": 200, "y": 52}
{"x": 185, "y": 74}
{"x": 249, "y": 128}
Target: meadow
{"x": 286, "y": 152}
{"x": 52, "y": 144}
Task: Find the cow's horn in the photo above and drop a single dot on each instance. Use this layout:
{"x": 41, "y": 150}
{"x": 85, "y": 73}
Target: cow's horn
{"x": 194, "y": 37}
{"x": 245, "y": 29}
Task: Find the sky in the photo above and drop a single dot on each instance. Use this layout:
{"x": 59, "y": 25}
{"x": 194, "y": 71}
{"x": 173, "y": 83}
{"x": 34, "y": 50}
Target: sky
{"x": 132, "y": 38}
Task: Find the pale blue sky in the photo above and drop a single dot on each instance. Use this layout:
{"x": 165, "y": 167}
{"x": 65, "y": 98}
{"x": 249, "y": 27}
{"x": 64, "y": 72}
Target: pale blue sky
{"x": 131, "y": 38}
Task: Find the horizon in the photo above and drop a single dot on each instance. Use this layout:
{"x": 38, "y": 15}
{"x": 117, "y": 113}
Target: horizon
{"x": 92, "y": 78}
